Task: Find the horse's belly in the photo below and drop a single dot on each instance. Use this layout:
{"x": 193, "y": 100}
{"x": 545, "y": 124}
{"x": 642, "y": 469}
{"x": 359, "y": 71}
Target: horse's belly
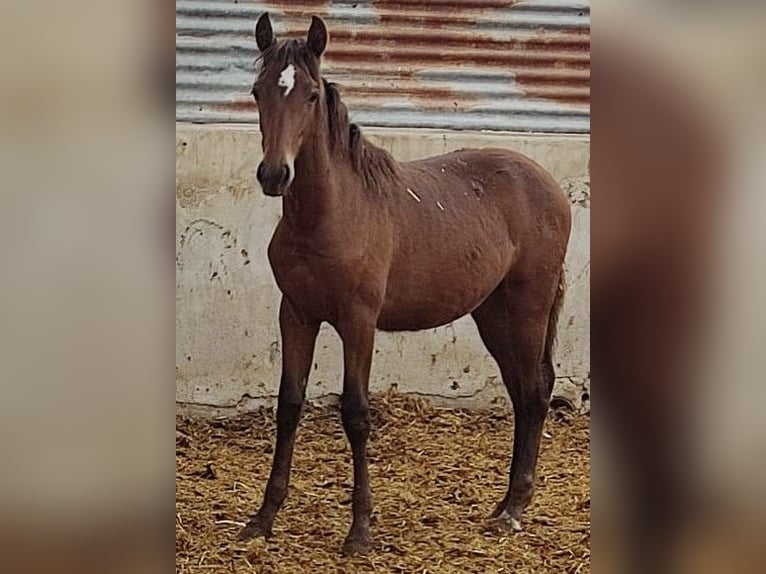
{"x": 397, "y": 320}
{"x": 423, "y": 299}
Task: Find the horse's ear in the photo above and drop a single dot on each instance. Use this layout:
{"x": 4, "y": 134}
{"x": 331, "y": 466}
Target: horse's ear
{"x": 264, "y": 35}
{"x": 317, "y": 38}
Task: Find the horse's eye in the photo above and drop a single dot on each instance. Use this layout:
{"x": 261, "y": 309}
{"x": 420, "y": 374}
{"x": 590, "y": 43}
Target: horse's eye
{"x": 314, "y": 97}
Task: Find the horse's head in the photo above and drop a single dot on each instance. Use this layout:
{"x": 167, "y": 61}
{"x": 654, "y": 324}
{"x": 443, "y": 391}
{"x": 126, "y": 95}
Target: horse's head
{"x": 288, "y": 89}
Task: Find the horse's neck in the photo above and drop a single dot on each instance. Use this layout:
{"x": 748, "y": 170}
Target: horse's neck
{"x": 320, "y": 188}
{"x": 312, "y": 193}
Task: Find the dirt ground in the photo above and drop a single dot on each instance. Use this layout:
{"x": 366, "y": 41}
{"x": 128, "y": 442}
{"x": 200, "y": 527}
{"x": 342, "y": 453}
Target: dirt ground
{"x": 436, "y": 475}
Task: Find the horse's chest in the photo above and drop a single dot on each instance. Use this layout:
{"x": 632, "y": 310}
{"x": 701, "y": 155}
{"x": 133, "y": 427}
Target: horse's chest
{"x": 316, "y": 284}
{"x": 301, "y": 277}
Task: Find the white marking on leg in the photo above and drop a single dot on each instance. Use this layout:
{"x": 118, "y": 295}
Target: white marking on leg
{"x": 515, "y": 524}
{"x": 413, "y": 194}
{"x": 287, "y": 79}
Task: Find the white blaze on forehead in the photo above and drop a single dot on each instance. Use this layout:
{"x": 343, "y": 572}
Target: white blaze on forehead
{"x": 287, "y": 79}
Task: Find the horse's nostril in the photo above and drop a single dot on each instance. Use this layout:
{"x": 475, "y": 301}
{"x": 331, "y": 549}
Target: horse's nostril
{"x": 273, "y": 175}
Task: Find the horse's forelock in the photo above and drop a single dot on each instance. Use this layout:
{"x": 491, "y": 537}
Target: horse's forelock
{"x": 291, "y": 51}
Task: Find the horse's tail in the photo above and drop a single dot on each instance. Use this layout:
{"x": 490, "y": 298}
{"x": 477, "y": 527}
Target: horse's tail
{"x": 553, "y": 319}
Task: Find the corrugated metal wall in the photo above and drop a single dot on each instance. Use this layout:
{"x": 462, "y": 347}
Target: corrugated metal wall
{"x": 457, "y": 64}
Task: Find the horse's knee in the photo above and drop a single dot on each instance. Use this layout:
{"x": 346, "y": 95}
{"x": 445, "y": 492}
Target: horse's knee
{"x": 535, "y": 391}
{"x": 290, "y": 402}
{"x": 539, "y": 403}
{"x": 531, "y": 407}
{"x": 355, "y": 413}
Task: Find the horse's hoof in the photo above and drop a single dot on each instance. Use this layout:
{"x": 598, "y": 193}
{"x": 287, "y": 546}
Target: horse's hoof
{"x": 255, "y": 528}
{"x": 356, "y": 547}
{"x": 505, "y": 522}
{"x": 515, "y": 525}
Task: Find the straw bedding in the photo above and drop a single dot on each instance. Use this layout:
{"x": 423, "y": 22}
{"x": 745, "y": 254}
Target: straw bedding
{"x": 436, "y": 475}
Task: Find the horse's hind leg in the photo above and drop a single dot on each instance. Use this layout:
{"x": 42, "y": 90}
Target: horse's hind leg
{"x": 513, "y": 324}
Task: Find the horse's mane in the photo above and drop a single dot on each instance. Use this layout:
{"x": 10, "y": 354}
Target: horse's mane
{"x": 373, "y": 163}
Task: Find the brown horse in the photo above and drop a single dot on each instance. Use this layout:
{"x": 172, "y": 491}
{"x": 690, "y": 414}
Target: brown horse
{"x": 368, "y": 243}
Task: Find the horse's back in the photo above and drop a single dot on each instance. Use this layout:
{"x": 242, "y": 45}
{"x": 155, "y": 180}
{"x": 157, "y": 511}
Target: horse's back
{"x": 494, "y": 179}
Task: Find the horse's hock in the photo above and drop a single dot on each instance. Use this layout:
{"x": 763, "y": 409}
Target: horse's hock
{"x": 227, "y": 337}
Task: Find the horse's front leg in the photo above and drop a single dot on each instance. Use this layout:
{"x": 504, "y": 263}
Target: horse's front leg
{"x": 298, "y": 340}
{"x": 358, "y": 335}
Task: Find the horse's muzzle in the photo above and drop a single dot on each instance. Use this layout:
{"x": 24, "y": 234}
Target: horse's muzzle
{"x": 274, "y": 178}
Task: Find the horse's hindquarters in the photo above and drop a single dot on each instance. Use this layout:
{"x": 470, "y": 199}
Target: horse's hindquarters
{"x": 464, "y": 223}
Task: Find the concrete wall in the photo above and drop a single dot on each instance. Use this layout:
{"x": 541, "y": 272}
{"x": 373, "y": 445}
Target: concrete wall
{"x": 227, "y": 337}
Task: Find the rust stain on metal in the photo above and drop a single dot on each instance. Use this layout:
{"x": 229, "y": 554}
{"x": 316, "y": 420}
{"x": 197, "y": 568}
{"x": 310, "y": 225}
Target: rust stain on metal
{"x": 438, "y": 5}
{"x": 484, "y": 57}
{"x": 299, "y": 7}
{"x": 428, "y": 20}
{"x": 408, "y": 37}
{"x": 551, "y": 65}
{"x": 432, "y": 97}
{"x": 425, "y": 95}
{"x": 243, "y": 105}
{"x": 507, "y": 59}
{"x": 568, "y": 81}
{"x": 412, "y": 36}
{"x": 299, "y": 11}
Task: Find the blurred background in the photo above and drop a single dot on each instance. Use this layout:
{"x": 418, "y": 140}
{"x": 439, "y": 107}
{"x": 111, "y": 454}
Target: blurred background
{"x": 86, "y": 287}
{"x": 677, "y": 243}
